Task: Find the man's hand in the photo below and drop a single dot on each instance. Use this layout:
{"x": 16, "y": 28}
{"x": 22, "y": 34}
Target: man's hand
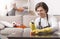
{"x": 36, "y": 31}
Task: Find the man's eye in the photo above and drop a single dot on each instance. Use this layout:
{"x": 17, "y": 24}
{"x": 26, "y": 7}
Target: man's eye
{"x": 41, "y": 10}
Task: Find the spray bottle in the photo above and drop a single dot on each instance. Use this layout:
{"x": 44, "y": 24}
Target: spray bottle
{"x": 32, "y": 25}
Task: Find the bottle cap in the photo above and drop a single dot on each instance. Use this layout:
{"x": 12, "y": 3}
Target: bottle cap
{"x": 32, "y": 21}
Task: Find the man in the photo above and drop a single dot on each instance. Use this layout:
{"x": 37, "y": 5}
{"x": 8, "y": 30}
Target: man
{"x": 44, "y": 23}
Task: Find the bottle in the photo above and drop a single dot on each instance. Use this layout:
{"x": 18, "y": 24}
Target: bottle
{"x": 32, "y": 25}
{"x": 14, "y": 24}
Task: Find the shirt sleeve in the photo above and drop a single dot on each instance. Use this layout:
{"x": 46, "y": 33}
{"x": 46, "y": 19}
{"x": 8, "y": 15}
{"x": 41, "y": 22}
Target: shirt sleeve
{"x": 54, "y": 23}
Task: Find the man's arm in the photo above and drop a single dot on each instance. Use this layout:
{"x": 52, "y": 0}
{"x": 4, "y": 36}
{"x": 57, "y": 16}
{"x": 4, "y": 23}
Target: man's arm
{"x": 45, "y": 30}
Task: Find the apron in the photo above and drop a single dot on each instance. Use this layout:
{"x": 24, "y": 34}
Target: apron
{"x": 40, "y": 27}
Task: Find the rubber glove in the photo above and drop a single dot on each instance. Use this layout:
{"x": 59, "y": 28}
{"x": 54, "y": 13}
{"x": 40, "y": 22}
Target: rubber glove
{"x": 47, "y": 30}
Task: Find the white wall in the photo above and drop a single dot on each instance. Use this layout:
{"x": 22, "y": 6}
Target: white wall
{"x": 3, "y": 3}
{"x": 54, "y": 6}
{"x": 21, "y": 3}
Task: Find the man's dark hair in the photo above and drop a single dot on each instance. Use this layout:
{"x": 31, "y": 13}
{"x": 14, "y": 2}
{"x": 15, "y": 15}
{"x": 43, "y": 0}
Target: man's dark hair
{"x": 43, "y": 5}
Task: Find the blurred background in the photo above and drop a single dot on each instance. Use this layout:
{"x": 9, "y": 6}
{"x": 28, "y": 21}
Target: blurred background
{"x": 6, "y": 5}
{"x": 29, "y": 6}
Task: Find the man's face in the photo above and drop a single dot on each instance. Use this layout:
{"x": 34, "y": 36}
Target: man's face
{"x": 41, "y": 11}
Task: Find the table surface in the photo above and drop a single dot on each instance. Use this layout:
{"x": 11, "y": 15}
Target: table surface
{"x": 3, "y": 37}
{"x": 36, "y": 36}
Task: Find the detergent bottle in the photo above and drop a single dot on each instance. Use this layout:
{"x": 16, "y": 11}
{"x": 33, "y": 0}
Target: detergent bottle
{"x": 32, "y": 25}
